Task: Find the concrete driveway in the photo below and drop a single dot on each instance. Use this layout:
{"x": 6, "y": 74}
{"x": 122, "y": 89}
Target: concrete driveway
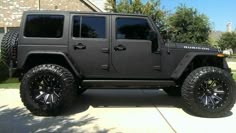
{"x": 102, "y": 111}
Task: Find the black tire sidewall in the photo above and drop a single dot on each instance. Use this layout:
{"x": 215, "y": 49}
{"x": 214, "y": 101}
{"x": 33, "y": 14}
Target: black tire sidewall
{"x": 67, "y": 89}
{"x": 193, "y": 81}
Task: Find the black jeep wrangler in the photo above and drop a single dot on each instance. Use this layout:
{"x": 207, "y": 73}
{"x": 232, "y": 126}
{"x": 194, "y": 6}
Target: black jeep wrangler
{"x": 60, "y": 54}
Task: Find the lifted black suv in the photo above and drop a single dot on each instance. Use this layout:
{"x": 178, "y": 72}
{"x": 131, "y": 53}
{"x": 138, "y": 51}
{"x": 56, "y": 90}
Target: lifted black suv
{"x": 60, "y": 54}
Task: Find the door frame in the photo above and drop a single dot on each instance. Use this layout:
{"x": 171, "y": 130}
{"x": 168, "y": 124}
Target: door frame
{"x": 114, "y": 40}
{"x": 107, "y": 38}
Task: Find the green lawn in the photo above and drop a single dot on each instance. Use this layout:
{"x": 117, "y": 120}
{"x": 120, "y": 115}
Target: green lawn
{"x": 10, "y": 80}
{"x": 231, "y": 59}
{"x": 234, "y": 76}
{"x": 10, "y": 83}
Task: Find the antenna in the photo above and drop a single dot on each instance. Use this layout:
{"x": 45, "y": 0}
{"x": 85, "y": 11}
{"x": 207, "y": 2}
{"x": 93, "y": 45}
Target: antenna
{"x": 229, "y": 27}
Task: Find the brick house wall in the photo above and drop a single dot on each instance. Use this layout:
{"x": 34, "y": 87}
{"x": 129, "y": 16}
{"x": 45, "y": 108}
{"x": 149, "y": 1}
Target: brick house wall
{"x": 11, "y": 10}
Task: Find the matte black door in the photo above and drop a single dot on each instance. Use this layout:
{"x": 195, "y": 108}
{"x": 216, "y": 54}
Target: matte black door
{"x": 89, "y": 44}
{"x": 132, "y": 53}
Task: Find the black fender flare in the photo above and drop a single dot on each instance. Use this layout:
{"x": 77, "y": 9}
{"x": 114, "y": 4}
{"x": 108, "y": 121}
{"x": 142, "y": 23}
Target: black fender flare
{"x": 51, "y": 53}
{"x": 183, "y": 64}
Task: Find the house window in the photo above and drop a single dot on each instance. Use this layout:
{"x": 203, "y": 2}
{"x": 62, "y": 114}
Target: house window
{"x": 2, "y": 30}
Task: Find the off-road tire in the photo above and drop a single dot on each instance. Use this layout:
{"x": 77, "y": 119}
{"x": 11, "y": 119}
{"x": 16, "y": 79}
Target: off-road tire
{"x": 31, "y": 83}
{"x": 9, "y": 47}
{"x": 222, "y": 85}
{"x": 173, "y": 91}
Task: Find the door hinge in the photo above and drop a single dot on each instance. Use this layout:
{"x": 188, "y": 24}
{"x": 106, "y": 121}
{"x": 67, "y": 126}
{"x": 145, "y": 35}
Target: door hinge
{"x": 105, "y": 67}
{"x": 156, "y": 67}
{"x": 105, "y": 50}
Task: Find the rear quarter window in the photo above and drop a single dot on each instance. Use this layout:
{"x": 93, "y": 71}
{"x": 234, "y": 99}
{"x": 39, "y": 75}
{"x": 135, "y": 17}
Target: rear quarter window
{"x": 47, "y": 26}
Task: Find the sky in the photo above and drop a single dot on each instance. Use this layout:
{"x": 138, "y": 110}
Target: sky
{"x": 219, "y": 12}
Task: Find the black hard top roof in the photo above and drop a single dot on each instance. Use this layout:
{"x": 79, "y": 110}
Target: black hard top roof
{"x": 81, "y": 12}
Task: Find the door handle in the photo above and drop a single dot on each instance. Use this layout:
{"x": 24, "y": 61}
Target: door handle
{"x": 120, "y": 48}
{"x": 79, "y": 46}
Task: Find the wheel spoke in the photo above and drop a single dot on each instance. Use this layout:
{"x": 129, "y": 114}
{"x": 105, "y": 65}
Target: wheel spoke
{"x": 218, "y": 87}
{"x": 50, "y": 81}
{"x": 42, "y": 85}
{"x": 207, "y": 84}
{"x": 212, "y": 83}
{"x": 212, "y": 101}
{"x": 205, "y": 100}
{"x": 45, "y": 82}
{"x": 46, "y": 97}
{"x": 203, "y": 87}
{"x": 57, "y": 89}
{"x": 219, "y": 91}
{"x": 53, "y": 99}
{"x": 217, "y": 97}
{"x": 56, "y": 94}
{"x": 40, "y": 96}
{"x": 202, "y": 97}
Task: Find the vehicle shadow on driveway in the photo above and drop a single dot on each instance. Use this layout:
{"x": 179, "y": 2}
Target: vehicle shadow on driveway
{"x": 123, "y": 98}
{"x": 127, "y": 98}
{"x": 19, "y": 120}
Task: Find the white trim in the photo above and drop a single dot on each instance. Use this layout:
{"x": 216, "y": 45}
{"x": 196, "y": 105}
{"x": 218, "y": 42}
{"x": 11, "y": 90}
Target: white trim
{"x": 5, "y": 29}
{"x": 94, "y": 7}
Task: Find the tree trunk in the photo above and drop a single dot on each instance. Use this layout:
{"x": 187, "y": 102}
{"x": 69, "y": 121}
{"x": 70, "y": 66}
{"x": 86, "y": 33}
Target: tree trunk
{"x": 234, "y": 50}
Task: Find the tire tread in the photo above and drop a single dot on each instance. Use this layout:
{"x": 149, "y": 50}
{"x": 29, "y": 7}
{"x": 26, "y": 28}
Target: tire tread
{"x": 188, "y": 92}
{"x": 68, "y": 95}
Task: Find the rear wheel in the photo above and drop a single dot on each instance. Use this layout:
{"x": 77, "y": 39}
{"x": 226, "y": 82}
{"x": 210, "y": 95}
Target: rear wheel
{"x": 46, "y": 89}
{"x": 209, "y": 92}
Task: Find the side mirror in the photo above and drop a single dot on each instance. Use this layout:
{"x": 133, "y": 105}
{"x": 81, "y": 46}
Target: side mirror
{"x": 152, "y": 35}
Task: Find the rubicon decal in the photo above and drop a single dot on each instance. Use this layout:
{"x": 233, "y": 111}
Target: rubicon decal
{"x": 198, "y": 48}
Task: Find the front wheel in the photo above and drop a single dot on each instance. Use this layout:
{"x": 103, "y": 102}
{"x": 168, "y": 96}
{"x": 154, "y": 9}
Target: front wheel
{"x": 46, "y": 89}
{"x": 209, "y": 92}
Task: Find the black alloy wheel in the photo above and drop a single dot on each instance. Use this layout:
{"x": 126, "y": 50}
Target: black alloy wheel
{"x": 48, "y": 89}
{"x": 212, "y": 93}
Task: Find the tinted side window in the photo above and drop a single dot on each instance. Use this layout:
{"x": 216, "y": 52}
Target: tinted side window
{"x": 50, "y": 26}
{"x": 132, "y": 28}
{"x": 76, "y": 26}
{"x": 91, "y": 27}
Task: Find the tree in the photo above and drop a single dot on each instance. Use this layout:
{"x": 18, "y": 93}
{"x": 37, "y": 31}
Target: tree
{"x": 189, "y": 26}
{"x": 186, "y": 25}
{"x": 150, "y": 8}
{"x": 227, "y": 40}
